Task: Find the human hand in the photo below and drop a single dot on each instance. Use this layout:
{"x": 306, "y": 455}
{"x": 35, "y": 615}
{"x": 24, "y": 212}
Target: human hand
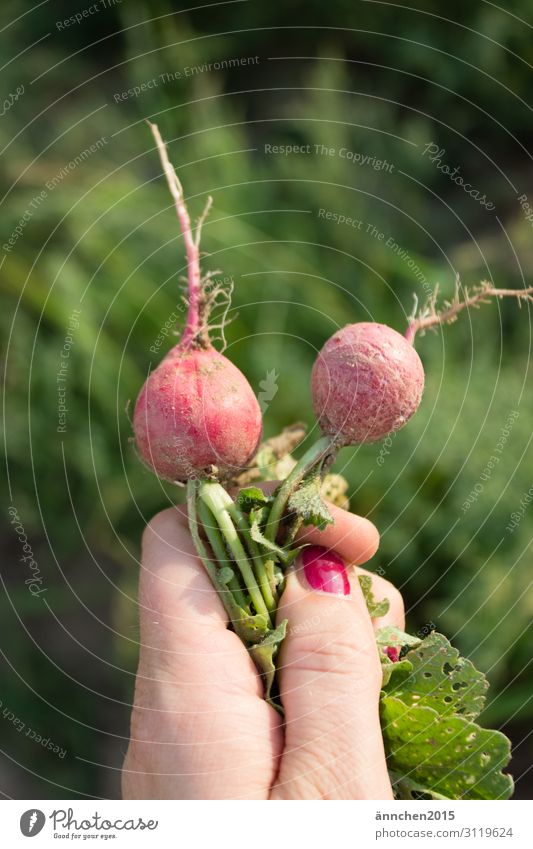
{"x": 200, "y": 728}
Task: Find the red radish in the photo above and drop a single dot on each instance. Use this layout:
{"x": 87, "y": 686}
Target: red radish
{"x": 196, "y": 411}
{"x": 393, "y": 653}
{"x": 367, "y": 382}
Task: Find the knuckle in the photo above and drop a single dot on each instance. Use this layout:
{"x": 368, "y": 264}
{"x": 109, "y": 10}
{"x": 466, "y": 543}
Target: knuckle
{"x": 345, "y": 654}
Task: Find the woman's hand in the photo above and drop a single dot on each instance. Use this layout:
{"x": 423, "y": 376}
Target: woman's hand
{"x": 200, "y": 728}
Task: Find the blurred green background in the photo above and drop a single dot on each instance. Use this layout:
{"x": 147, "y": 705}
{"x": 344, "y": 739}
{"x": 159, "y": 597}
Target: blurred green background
{"x": 99, "y": 235}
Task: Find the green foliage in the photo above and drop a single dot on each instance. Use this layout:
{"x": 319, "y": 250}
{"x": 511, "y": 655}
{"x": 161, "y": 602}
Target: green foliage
{"x": 308, "y": 504}
{"x": 434, "y": 748}
{"x": 264, "y": 656}
{"x": 436, "y": 760}
{"x": 375, "y": 608}
{"x": 441, "y": 679}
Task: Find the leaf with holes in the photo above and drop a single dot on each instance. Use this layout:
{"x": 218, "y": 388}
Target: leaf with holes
{"x": 406, "y": 788}
{"x": 448, "y": 755}
{"x": 441, "y": 679}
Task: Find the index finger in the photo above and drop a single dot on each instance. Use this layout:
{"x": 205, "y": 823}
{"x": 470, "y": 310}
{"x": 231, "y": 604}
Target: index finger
{"x": 355, "y": 538}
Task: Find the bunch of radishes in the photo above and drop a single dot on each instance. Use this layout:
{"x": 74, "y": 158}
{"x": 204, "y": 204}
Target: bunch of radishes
{"x": 197, "y": 421}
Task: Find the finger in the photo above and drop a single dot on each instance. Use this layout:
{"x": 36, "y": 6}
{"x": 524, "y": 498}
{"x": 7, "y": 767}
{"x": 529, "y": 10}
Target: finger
{"x": 355, "y": 538}
{"x": 183, "y": 622}
{"x": 200, "y": 728}
{"x": 330, "y": 680}
{"x": 173, "y": 591}
{"x": 382, "y": 590}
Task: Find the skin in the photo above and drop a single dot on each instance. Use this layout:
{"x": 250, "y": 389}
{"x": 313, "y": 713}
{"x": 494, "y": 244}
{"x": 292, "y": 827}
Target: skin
{"x": 200, "y": 728}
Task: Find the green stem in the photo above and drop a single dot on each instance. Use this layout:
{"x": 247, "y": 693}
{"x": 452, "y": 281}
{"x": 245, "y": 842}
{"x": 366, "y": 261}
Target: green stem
{"x": 215, "y": 497}
{"x": 210, "y": 567}
{"x": 258, "y": 563}
{"x": 217, "y": 547}
{"x": 269, "y": 569}
{"x": 292, "y": 530}
{"x": 313, "y": 457}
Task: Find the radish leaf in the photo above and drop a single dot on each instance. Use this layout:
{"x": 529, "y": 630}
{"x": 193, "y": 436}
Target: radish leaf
{"x": 443, "y": 680}
{"x": 308, "y": 504}
{"x": 393, "y": 636}
{"x": 251, "y": 496}
{"x": 264, "y": 656}
{"x": 428, "y": 702}
{"x": 375, "y": 608}
{"x": 448, "y": 755}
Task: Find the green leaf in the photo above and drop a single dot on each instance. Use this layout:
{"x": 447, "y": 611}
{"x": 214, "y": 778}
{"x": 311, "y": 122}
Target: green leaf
{"x": 375, "y": 608}
{"x": 390, "y": 669}
{"x": 258, "y": 536}
{"x": 392, "y": 636}
{"x": 406, "y": 788}
{"x": 441, "y": 679}
{"x": 448, "y": 755}
{"x": 259, "y": 515}
{"x": 292, "y": 553}
{"x": 428, "y": 701}
{"x": 308, "y": 504}
{"x": 226, "y": 574}
{"x": 251, "y": 628}
{"x": 250, "y": 497}
{"x": 264, "y": 656}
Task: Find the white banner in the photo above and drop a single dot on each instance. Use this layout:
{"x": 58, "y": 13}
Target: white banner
{"x": 260, "y": 825}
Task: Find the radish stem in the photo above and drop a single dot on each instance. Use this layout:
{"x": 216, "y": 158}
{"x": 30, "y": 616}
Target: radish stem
{"x": 209, "y": 566}
{"x": 316, "y": 454}
{"x": 258, "y": 565}
{"x": 214, "y": 496}
{"x": 257, "y": 561}
{"x": 217, "y": 547}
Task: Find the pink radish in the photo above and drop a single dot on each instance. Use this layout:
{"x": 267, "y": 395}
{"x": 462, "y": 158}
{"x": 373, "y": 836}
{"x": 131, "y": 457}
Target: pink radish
{"x": 367, "y": 382}
{"x": 196, "y": 414}
{"x": 196, "y": 411}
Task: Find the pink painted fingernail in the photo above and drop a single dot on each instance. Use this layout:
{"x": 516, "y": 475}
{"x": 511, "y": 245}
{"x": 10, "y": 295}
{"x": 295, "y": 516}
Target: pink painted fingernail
{"x": 325, "y": 571}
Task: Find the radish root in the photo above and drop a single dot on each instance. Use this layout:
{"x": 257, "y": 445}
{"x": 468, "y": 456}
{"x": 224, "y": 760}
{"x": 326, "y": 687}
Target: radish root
{"x": 429, "y": 316}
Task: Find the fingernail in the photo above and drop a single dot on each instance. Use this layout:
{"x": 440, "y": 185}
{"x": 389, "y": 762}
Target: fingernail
{"x": 325, "y": 571}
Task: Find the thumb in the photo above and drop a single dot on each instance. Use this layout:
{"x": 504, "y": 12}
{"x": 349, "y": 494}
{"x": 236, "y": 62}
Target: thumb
{"x": 330, "y": 680}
